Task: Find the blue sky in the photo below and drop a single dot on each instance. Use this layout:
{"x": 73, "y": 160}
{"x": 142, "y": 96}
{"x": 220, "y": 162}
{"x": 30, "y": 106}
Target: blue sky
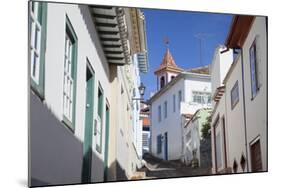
{"x": 181, "y": 27}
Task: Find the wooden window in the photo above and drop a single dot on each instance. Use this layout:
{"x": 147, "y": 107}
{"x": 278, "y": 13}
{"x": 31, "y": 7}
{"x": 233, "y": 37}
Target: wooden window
{"x": 234, "y": 95}
{"x": 159, "y": 143}
{"x": 37, "y": 42}
{"x": 69, "y": 74}
{"x": 254, "y": 71}
{"x": 256, "y": 160}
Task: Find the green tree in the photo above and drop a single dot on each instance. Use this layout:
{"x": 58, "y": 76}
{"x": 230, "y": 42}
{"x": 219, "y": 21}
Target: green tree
{"x": 206, "y": 128}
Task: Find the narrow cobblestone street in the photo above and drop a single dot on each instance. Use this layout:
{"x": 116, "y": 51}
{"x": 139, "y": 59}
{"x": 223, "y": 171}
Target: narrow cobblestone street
{"x": 158, "y": 168}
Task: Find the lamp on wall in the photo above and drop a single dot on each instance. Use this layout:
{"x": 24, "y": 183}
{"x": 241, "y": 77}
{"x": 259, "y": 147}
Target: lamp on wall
{"x": 141, "y": 90}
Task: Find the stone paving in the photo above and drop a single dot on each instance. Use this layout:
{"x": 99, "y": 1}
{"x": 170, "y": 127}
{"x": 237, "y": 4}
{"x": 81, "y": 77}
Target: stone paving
{"x": 158, "y": 168}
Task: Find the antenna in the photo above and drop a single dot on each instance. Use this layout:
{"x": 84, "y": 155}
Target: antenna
{"x": 201, "y": 37}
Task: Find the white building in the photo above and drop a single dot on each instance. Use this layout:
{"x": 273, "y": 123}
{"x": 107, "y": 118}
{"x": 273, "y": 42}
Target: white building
{"x": 192, "y": 139}
{"x": 146, "y": 125}
{"x": 239, "y": 120}
{"x": 82, "y": 79}
{"x": 179, "y": 92}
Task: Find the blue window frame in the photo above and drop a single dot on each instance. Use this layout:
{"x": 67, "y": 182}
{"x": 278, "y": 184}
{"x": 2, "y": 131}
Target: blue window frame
{"x": 159, "y": 144}
{"x": 165, "y": 109}
{"x": 253, "y": 67}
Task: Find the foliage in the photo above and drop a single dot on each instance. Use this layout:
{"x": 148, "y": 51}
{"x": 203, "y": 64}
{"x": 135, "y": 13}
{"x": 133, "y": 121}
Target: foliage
{"x": 206, "y": 128}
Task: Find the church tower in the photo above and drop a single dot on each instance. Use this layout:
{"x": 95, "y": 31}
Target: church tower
{"x": 167, "y": 70}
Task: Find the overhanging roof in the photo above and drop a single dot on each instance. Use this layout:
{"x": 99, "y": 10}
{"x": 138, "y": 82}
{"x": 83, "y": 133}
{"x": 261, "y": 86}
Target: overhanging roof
{"x": 239, "y": 30}
{"x": 112, "y": 30}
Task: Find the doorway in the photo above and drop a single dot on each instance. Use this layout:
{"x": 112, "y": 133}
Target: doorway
{"x": 88, "y": 131}
{"x": 166, "y": 146}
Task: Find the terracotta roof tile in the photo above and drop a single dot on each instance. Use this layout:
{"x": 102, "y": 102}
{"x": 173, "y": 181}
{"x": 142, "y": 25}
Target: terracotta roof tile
{"x": 168, "y": 62}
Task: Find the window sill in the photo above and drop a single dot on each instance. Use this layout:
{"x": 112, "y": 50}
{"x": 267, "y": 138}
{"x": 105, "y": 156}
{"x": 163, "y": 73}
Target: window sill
{"x": 257, "y": 92}
{"x": 68, "y": 124}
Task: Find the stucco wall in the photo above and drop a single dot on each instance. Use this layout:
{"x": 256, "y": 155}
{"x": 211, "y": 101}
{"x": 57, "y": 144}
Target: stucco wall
{"x": 235, "y": 118}
{"x": 88, "y": 48}
{"x": 171, "y": 124}
{"x": 55, "y": 153}
{"x": 256, "y": 108}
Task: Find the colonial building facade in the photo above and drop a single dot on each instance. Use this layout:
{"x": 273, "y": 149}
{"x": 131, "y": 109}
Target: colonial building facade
{"x": 84, "y": 73}
{"x": 239, "y": 120}
{"x": 179, "y": 92}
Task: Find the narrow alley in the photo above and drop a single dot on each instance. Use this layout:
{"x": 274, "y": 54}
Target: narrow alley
{"x": 158, "y": 168}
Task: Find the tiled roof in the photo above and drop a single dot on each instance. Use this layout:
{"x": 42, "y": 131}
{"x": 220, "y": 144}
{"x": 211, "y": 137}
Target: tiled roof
{"x": 200, "y": 70}
{"x": 168, "y": 63}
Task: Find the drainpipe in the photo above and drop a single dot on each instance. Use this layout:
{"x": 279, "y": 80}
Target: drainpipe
{"x": 244, "y": 107}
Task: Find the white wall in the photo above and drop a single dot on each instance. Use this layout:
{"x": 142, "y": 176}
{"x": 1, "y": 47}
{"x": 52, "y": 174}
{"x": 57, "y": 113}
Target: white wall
{"x": 235, "y": 118}
{"x": 194, "y": 84}
{"x": 220, "y": 66}
{"x": 218, "y": 113}
{"x": 172, "y": 124}
{"x": 88, "y": 47}
{"x": 256, "y": 109}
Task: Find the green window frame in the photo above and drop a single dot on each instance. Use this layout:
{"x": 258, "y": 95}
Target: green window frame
{"x": 70, "y": 71}
{"x": 106, "y": 151}
{"x": 37, "y": 45}
{"x": 99, "y": 121}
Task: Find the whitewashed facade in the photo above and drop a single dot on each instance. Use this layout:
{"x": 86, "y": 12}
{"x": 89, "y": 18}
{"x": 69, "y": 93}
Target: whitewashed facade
{"x": 77, "y": 73}
{"x": 167, "y": 107}
{"x": 239, "y": 120}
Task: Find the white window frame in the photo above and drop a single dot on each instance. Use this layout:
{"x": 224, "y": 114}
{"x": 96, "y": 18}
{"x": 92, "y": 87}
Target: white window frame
{"x": 67, "y": 78}
{"x": 35, "y": 44}
{"x": 198, "y": 97}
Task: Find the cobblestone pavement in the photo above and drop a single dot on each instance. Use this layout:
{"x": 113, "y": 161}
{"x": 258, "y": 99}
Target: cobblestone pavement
{"x": 157, "y": 168}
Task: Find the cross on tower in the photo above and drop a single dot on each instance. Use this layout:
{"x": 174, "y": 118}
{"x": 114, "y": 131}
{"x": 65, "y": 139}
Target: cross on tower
{"x": 166, "y": 41}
